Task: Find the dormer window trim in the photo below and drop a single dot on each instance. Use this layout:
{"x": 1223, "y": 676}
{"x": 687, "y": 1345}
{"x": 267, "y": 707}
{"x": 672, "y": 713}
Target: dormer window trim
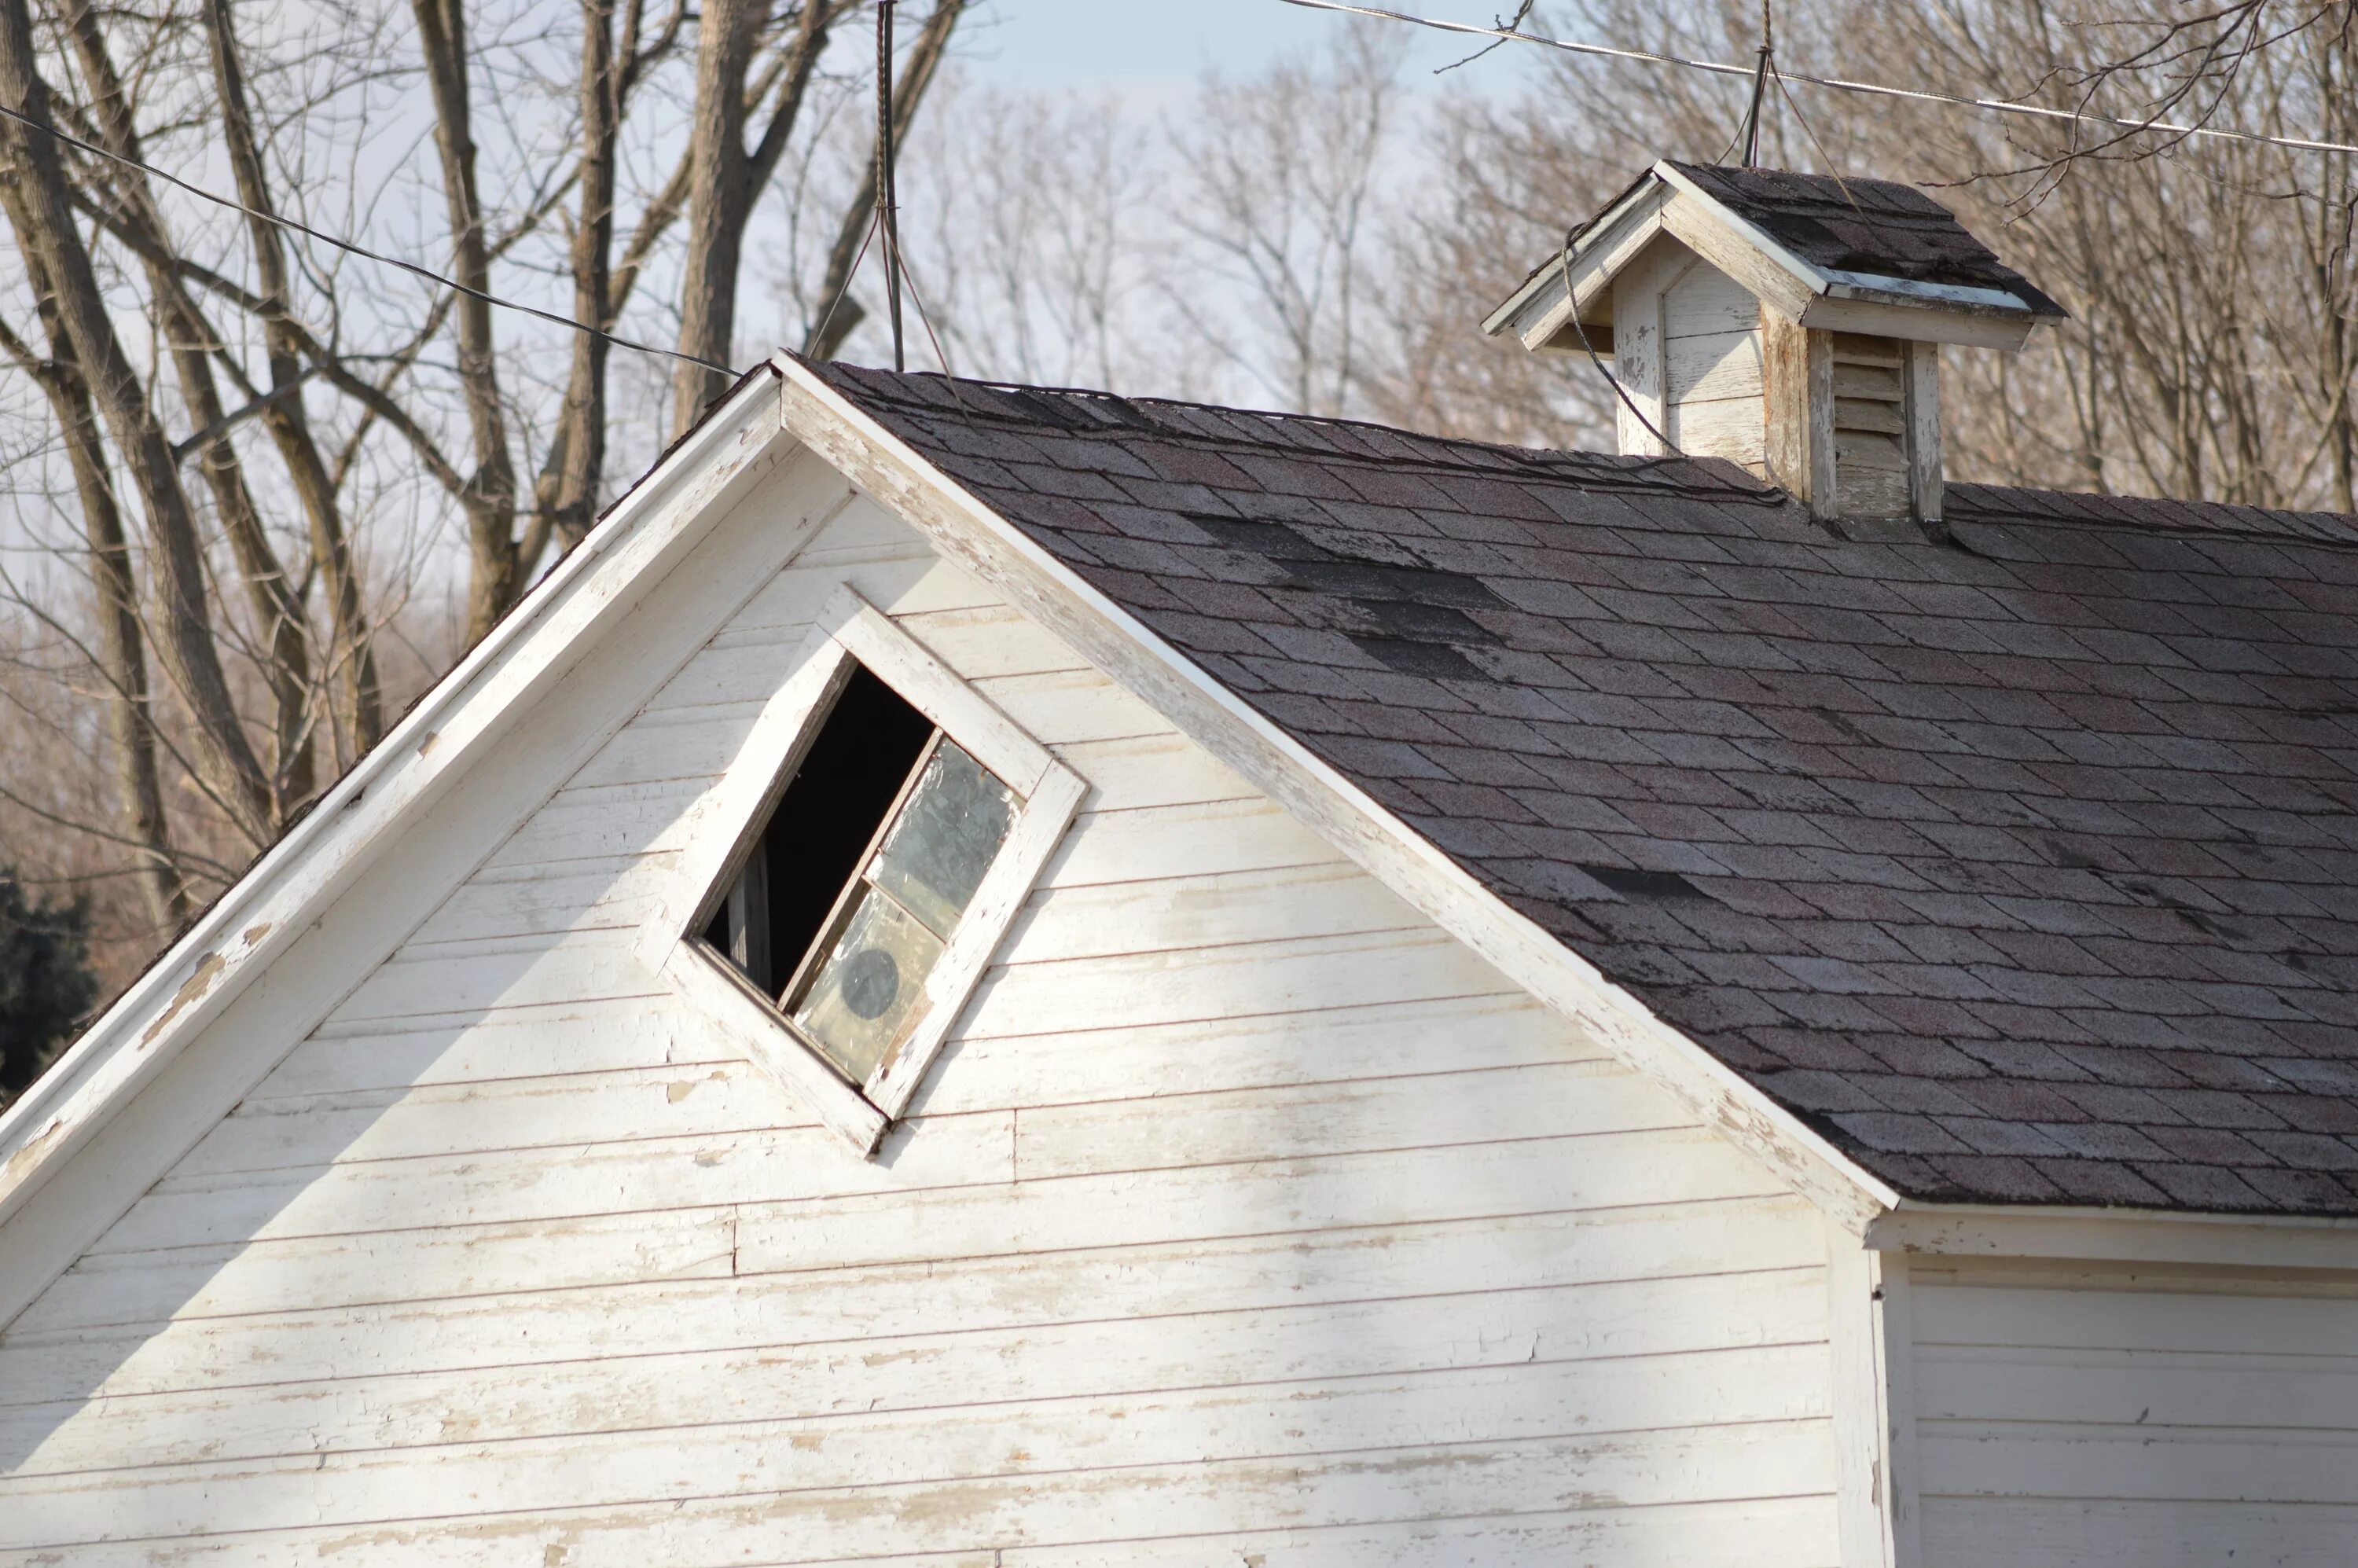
{"x": 728, "y": 823}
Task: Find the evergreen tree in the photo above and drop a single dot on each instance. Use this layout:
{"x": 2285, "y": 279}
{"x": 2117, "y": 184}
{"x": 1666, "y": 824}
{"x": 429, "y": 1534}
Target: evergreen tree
{"x": 46, "y": 983}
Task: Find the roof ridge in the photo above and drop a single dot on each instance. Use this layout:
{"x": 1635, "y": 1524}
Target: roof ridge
{"x": 1602, "y": 471}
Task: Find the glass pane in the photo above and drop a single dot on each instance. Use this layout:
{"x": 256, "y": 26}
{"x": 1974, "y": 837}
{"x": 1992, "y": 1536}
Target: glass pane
{"x": 937, "y": 850}
{"x": 875, "y": 974}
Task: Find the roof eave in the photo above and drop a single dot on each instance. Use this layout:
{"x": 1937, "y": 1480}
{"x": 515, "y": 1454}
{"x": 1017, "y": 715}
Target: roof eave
{"x": 2194, "y": 1238}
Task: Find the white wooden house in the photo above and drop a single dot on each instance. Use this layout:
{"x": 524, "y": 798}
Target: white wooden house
{"x": 1024, "y": 980}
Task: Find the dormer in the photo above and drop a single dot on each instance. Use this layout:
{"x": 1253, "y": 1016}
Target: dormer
{"x": 1791, "y": 323}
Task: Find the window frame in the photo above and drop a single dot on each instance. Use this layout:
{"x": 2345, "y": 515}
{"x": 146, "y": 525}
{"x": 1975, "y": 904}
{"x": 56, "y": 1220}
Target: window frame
{"x": 729, "y": 821}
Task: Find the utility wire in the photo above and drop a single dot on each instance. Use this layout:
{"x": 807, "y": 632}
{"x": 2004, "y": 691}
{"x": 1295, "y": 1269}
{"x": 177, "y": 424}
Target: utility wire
{"x": 1875, "y": 90}
{"x": 362, "y": 251}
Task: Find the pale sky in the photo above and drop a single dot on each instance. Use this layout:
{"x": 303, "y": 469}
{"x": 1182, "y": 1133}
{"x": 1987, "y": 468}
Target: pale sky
{"x": 1154, "y": 49}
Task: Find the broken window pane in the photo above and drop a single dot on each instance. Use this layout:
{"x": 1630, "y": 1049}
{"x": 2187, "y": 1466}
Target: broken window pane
{"x": 868, "y": 984}
{"x": 936, "y": 850}
{"x": 857, "y": 880}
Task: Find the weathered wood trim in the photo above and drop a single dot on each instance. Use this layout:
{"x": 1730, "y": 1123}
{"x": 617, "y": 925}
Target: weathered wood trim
{"x": 1639, "y": 363}
{"x": 1798, "y": 398}
{"x": 1874, "y": 1409}
{"x": 1908, "y": 290}
{"x": 1774, "y": 274}
{"x": 977, "y": 538}
{"x": 1875, "y": 318}
{"x": 296, "y": 885}
{"x": 1609, "y": 246}
{"x": 1594, "y": 267}
{"x": 2117, "y": 1235}
{"x": 936, "y": 690}
{"x": 735, "y": 1006}
{"x": 1923, "y": 400}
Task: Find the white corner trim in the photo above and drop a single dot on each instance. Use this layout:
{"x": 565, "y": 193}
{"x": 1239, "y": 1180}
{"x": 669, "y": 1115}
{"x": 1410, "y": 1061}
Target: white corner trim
{"x": 1868, "y": 1332}
{"x": 897, "y": 477}
{"x": 284, "y": 892}
{"x": 2117, "y": 1236}
{"x": 722, "y": 826}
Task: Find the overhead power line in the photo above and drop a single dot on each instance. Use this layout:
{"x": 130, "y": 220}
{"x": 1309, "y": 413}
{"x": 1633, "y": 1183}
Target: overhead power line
{"x": 1871, "y": 88}
{"x": 290, "y": 225}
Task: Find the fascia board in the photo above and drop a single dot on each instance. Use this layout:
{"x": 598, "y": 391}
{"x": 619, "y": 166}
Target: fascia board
{"x": 2147, "y": 1237}
{"x": 447, "y": 732}
{"x": 1908, "y": 291}
{"x": 1617, "y": 246}
{"x": 977, "y": 538}
{"x": 1544, "y": 287}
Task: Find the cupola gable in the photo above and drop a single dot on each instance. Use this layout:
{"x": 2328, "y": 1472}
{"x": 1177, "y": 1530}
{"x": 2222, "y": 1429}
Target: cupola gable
{"x": 1791, "y": 323}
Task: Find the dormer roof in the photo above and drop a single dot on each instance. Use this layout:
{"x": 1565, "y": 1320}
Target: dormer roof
{"x": 1850, "y": 255}
{"x": 1877, "y": 234}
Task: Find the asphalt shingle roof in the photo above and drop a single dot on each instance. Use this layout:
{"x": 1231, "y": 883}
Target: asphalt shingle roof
{"x": 2024, "y": 865}
{"x": 1877, "y": 226}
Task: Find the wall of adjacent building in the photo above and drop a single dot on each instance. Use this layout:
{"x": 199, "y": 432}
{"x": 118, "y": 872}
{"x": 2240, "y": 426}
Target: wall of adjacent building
{"x": 1249, "y": 1219}
{"x": 2107, "y": 1419}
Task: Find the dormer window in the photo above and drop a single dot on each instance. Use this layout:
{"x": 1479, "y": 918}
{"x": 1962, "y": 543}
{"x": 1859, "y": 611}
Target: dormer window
{"x": 1787, "y": 322}
{"x": 887, "y": 823}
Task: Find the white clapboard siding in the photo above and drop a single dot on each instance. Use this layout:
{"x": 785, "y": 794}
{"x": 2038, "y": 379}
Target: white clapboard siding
{"x": 1738, "y": 1244}
{"x": 1104, "y": 1509}
{"x": 2101, "y": 1419}
{"x": 1712, "y": 367}
{"x": 1642, "y": 1323}
{"x": 1245, "y": 1218}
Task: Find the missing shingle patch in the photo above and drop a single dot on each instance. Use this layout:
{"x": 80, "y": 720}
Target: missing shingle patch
{"x": 1416, "y": 614}
{"x": 1632, "y": 884}
{"x": 1413, "y": 656}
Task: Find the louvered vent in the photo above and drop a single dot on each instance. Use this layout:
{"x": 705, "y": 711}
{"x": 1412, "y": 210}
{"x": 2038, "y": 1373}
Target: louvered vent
{"x": 1870, "y": 425}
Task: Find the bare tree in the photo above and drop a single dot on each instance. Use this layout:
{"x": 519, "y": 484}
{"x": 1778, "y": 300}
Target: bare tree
{"x": 1285, "y": 205}
{"x": 1033, "y": 225}
{"x": 254, "y": 484}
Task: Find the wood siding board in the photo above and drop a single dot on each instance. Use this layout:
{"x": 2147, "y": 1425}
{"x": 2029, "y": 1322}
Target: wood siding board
{"x": 765, "y": 1522}
{"x": 1737, "y": 1243}
{"x": 1297, "y": 1194}
{"x": 2112, "y": 1407}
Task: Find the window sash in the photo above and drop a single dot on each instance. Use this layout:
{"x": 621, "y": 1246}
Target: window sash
{"x": 726, "y": 824}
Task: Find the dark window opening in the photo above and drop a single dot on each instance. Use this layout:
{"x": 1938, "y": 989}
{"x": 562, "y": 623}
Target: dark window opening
{"x": 868, "y": 858}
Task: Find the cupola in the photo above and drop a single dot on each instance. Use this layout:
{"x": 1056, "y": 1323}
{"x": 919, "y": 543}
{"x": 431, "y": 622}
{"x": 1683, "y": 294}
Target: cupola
{"x": 1788, "y": 322}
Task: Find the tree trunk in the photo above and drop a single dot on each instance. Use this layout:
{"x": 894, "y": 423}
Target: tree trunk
{"x": 495, "y": 565}
{"x": 717, "y": 205}
{"x": 121, "y": 657}
{"x": 189, "y": 340}
{"x": 567, "y": 490}
{"x": 43, "y": 214}
{"x": 360, "y": 702}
